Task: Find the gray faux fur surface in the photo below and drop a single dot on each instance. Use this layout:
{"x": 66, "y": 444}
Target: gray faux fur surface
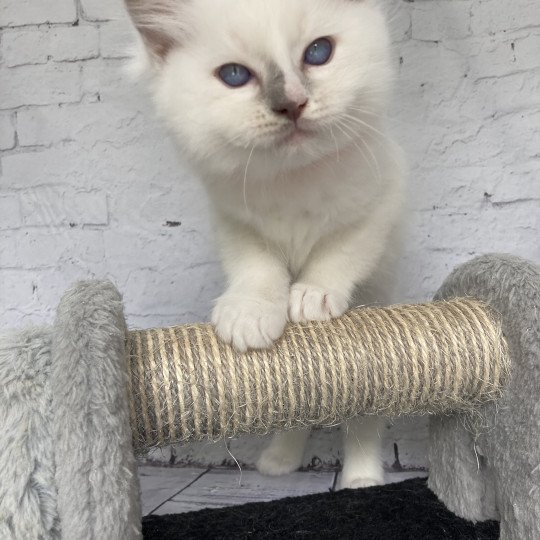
{"x": 67, "y": 468}
{"x": 27, "y": 490}
{"x": 495, "y": 472}
{"x": 95, "y": 466}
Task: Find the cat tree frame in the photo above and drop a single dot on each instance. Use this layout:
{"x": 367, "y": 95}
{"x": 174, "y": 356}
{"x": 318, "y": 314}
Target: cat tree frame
{"x": 80, "y": 399}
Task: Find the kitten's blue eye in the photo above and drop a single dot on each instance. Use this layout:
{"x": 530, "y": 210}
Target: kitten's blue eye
{"x": 234, "y": 75}
{"x": 319, "y": 52}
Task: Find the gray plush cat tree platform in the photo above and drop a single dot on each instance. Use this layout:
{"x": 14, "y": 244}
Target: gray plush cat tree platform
{"x": 78, "y": 399}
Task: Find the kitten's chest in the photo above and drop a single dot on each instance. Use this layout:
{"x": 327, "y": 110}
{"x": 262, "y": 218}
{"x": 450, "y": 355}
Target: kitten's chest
{"x": 295, "y": 218}
{"x": 295, "y": 230}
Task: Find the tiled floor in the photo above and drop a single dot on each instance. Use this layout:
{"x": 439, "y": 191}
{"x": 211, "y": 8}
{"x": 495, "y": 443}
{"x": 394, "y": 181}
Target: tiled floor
{"x": 168, "y": 490}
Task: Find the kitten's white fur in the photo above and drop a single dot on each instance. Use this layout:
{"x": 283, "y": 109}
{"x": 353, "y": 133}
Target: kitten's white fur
{"x": 303, "y": 221}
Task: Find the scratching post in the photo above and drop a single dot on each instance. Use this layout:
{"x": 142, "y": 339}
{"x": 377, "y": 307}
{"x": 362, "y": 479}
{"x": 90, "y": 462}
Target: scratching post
{"x": 77, "y": 399}
{"x": 185, "y": 385}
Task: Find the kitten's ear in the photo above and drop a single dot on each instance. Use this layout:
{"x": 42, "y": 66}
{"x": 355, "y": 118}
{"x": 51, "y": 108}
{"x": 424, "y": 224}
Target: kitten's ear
{"x": 158, "y": 23}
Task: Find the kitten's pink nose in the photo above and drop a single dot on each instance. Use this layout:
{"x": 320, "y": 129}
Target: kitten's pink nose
{"x": 291, "y": 109}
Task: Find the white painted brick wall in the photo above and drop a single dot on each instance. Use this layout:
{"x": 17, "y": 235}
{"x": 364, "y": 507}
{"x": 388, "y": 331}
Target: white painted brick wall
{"x": 30, "y": 12}
{"x": 7, "y": 131}
{"x": 40, "y": 85}
{"x": 90, "y": 184}
{"x": 102, "y": 10}
{"x": 38, "y": 46}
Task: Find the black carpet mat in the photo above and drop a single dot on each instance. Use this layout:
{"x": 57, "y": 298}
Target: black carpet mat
{"x": 407, "y": 510}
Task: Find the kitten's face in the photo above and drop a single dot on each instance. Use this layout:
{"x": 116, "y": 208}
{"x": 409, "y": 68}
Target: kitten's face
{"x": 280, "y": 80}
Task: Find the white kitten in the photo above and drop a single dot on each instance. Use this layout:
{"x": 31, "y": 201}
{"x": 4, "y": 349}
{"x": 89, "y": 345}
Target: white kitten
{"x": 279, "y": 106}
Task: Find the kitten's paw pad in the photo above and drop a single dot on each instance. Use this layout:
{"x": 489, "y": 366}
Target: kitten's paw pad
{"x": 248, "y": 323}
{"x": 276, "y": 462}
{"x": 357, "y": 483}
{"x": 311, "y": 303}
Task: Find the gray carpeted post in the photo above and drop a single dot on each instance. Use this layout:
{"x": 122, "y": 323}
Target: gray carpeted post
{"x": 96, "y": 480}
{"x": 67, "y": 469}
{"x": 487, "y": 465}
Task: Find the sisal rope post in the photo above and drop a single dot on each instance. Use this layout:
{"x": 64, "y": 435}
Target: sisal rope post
{"x": 185, "y": 385}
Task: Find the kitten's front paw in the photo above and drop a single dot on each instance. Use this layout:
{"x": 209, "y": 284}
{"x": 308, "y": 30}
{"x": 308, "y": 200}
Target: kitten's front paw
{"x": 248, "y": 323}
{"x": 311, "y": 303}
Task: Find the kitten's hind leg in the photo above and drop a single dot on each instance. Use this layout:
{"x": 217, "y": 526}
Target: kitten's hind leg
{"x": 284, "y": 453}
{"x": 362, "y": 463}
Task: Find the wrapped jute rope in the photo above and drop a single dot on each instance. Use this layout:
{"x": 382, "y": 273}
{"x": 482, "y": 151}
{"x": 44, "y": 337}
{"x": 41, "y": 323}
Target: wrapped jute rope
{"x": 185, "y": 385}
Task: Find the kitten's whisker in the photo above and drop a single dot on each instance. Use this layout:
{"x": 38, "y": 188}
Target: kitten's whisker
{"x": 343, "y": 127}
{"x": 245, "y": 177}
{"x": 335, "y": 142}
{"x": 371, "y": 163}
{"x": 377, "y": 139}
{"x": 366, "y": 125}
{"x": 383, "y": 117}
{"x": 366, "y": 111}
{"x": 375, "y": 161}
